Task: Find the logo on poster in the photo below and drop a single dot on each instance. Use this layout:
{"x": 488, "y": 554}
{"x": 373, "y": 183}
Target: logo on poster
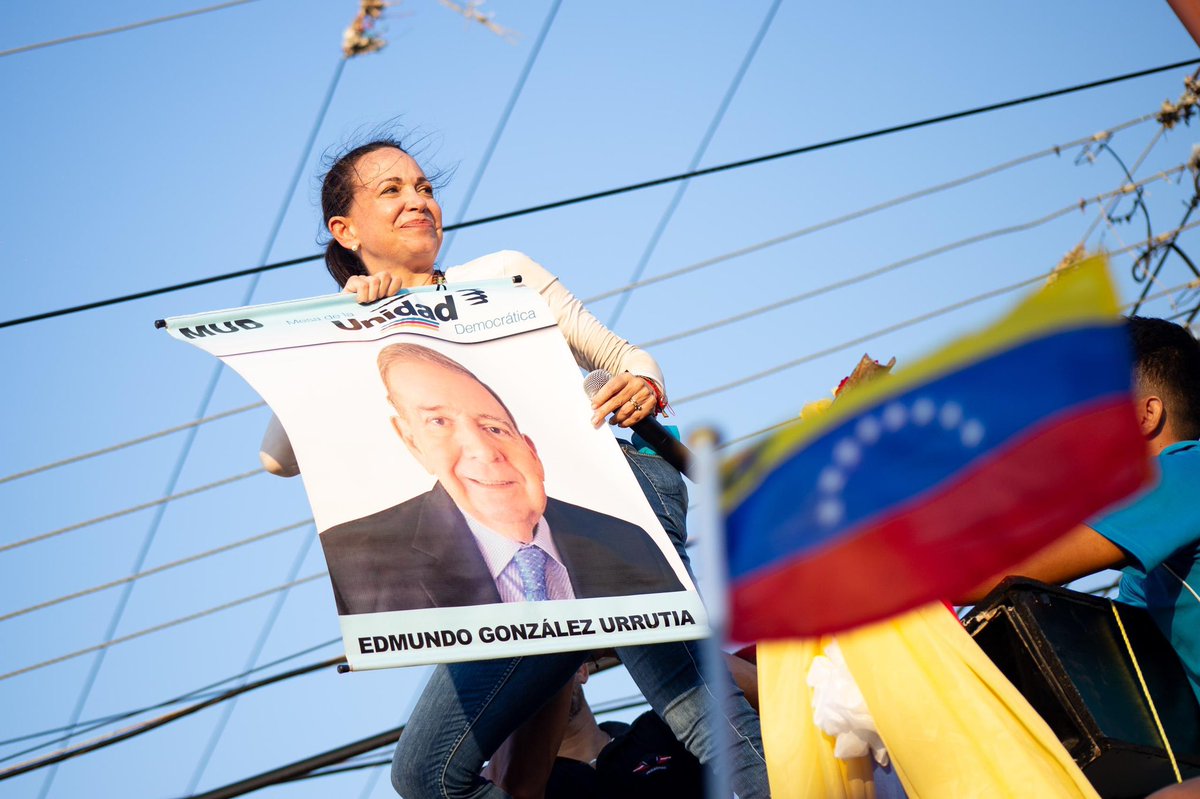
{"x": 220, "y": 328}
{"x": 404, "y": 312}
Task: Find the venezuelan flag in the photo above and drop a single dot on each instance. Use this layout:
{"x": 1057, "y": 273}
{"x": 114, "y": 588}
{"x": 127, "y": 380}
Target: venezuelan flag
{"x": 924, "y": 484}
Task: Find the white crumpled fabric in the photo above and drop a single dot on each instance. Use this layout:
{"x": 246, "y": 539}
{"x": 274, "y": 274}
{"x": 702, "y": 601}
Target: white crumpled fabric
{"x": 839, "y": 709}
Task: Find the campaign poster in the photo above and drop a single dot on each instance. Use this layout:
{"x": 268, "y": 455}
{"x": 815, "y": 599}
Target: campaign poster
{"x": 466, "y": 507}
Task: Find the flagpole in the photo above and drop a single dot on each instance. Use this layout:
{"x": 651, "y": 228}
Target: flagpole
{"x": 711, "y": 548}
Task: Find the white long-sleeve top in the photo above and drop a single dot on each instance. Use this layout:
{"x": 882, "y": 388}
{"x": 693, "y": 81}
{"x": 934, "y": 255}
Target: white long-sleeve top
{"x": 592, "y": 344}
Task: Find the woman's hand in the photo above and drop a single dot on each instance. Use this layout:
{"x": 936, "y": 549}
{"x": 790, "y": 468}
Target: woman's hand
{"x": 629, "y": 399}
{"x": 373, "y": 287}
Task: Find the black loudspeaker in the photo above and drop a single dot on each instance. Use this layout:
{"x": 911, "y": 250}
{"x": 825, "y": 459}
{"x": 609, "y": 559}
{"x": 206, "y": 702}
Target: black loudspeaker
{"x": 1065, "y": 653}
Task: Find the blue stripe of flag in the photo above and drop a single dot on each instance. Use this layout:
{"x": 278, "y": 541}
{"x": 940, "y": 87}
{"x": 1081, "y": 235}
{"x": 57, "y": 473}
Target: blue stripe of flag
{"x": 912, "y": 442}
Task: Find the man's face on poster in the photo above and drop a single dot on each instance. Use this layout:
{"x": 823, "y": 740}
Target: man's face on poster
{"x": 462, "y": 435}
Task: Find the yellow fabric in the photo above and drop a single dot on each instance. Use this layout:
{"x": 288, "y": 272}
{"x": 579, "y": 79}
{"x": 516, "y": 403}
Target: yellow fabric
{"x": 800, "y": 761}
{"x": 954, "y": 727}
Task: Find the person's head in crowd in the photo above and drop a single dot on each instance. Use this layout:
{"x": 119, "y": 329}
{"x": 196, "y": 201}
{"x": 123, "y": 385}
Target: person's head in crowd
{"x": 461, "y": 432}
{"x": 1166, "y": 381}
{"x": 379, "y": 208}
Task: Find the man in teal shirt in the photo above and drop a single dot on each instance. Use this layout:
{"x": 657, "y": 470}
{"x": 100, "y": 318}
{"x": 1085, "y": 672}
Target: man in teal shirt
{"x": 1154, "y": 537}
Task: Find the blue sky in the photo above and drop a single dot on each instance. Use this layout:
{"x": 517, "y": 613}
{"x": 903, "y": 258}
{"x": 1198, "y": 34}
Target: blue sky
{"x": 163, "y": 154}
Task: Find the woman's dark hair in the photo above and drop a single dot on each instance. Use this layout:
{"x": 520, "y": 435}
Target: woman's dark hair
{"x": 337, "y": 194}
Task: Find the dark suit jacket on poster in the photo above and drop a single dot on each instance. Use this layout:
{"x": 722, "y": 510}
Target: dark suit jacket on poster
{"x": 421, "y": 554}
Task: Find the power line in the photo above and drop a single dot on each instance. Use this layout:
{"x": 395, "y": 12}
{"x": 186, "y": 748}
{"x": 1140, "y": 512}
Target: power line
{"x": 122, "y": 28}
{"x": 872, "y": 209}
{"x": 705, "y": 140}
{"x": 614, "y": 706}
{"x": 134, "y": 509}
{"x": 300, "y": 767}
{"x": 206, "y": 399}
{"x": 739, "y": 317}
{"x": 987, "y": 295}
{"x": 505, "y": 115}
{"x": 147, "y": 726}
{"x": 630, "y": 187}
{"x": 1057, "y": 149}
{"x": 941, "y": 250}
{"x": 794, "y": 419}
{"x": 201, "y": 692}
{"x": 157, "y": 569}
{"x": 165, "y": 625}
{"x": 131, "y": 442}
{"x": 255, "y": 653}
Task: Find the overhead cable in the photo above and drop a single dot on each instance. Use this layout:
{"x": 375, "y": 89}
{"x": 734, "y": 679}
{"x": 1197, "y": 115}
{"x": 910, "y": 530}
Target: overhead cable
{"x": 872, "y": 209}
{"x": 1057, "y": 149}
{"x": 207, "y": 395}
{"x": 945, "y": 248}
{"x": 165, "y": 625}
{"x": 795, "y": 419}
{"x": 498, "y": 131}
{"x": 203, "y": 692}
{"x": 701, "y": 149}
{"x": 134, "y": 509}
{"x": 633, "y": 186}
{"x": 1105, "y": 213}
{"x": 131, "y": 442}
{"x": 613, "y": 706}
{"x": 157, "y": 569}
{"x": 122, "y": 28}
{"x": 264, "y": 634}
{"x": 987, "y": 295}
{"x": 146, "y": 726}
{"x": 301, "y": 767}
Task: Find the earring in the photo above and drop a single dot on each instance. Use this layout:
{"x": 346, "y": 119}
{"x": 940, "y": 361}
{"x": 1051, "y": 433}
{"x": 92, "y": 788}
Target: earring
{"x": 354, "y": 249}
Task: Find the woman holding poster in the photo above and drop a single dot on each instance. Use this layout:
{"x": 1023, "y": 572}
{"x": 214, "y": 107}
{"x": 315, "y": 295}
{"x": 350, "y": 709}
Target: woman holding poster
{"x": 386, "y": 228}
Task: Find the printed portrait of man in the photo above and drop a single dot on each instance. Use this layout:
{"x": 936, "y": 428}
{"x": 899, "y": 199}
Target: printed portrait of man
{"x": 486, "y": 532}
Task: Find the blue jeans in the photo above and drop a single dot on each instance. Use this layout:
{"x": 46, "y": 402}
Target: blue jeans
{"x": 468, "y": 709}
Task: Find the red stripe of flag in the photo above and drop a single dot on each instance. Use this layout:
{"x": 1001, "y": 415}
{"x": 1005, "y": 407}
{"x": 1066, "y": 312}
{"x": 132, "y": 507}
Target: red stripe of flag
{"x": 999, "y": 511}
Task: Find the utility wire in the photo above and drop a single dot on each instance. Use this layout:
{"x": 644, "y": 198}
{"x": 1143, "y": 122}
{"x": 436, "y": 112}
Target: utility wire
{"x": 945, "y": 248}
{"x": 1105, "y": 213}
{"x": 614, "y": 706}
{"x": 1125, "y": 189}
{"x": 161, "y": 501}
{"x": 794, "y": 419}
{"x": 505, "y": 115}
{"x": 705, "y": 140}
{"x": 1057, "y": 149}
{"x": 987, "y": 295}
{"x": 131, "y": 442}
{"x": 860, "y": 213}
{"x": 633, "y": 187}
{"x": 748, "y": 314}
{"x": 122, "y": 28}
{"x": 157, "y": 569}
{"x": 165, "y": 625}
{"x": 255, "y": 653}
{"x": 146, "y": 726}
{"x": 304, "y": 766}
{"x": 319, "y": 764}
{"x": 206, "y": 399}
{"x": 203, "y": 692}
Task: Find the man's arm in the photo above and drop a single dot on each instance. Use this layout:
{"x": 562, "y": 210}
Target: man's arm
{"x": 1080, "y": 552}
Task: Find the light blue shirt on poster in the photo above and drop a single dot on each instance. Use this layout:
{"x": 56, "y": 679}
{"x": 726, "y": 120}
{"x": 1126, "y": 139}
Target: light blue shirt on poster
{"x": 1160, "y": 530}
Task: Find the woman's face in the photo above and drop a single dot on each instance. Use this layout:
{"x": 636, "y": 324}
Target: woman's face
{"x": 394, "y": 220}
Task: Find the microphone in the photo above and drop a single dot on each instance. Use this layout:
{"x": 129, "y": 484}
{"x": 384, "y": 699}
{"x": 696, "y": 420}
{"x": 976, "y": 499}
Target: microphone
{"x": 654, "y": 434}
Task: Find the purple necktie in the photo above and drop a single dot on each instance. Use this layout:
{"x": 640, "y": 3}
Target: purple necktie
{"x": 531, "y": 566}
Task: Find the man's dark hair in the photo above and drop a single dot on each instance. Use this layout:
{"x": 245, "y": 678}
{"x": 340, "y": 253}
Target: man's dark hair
{"x": 1166, "y": 361}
